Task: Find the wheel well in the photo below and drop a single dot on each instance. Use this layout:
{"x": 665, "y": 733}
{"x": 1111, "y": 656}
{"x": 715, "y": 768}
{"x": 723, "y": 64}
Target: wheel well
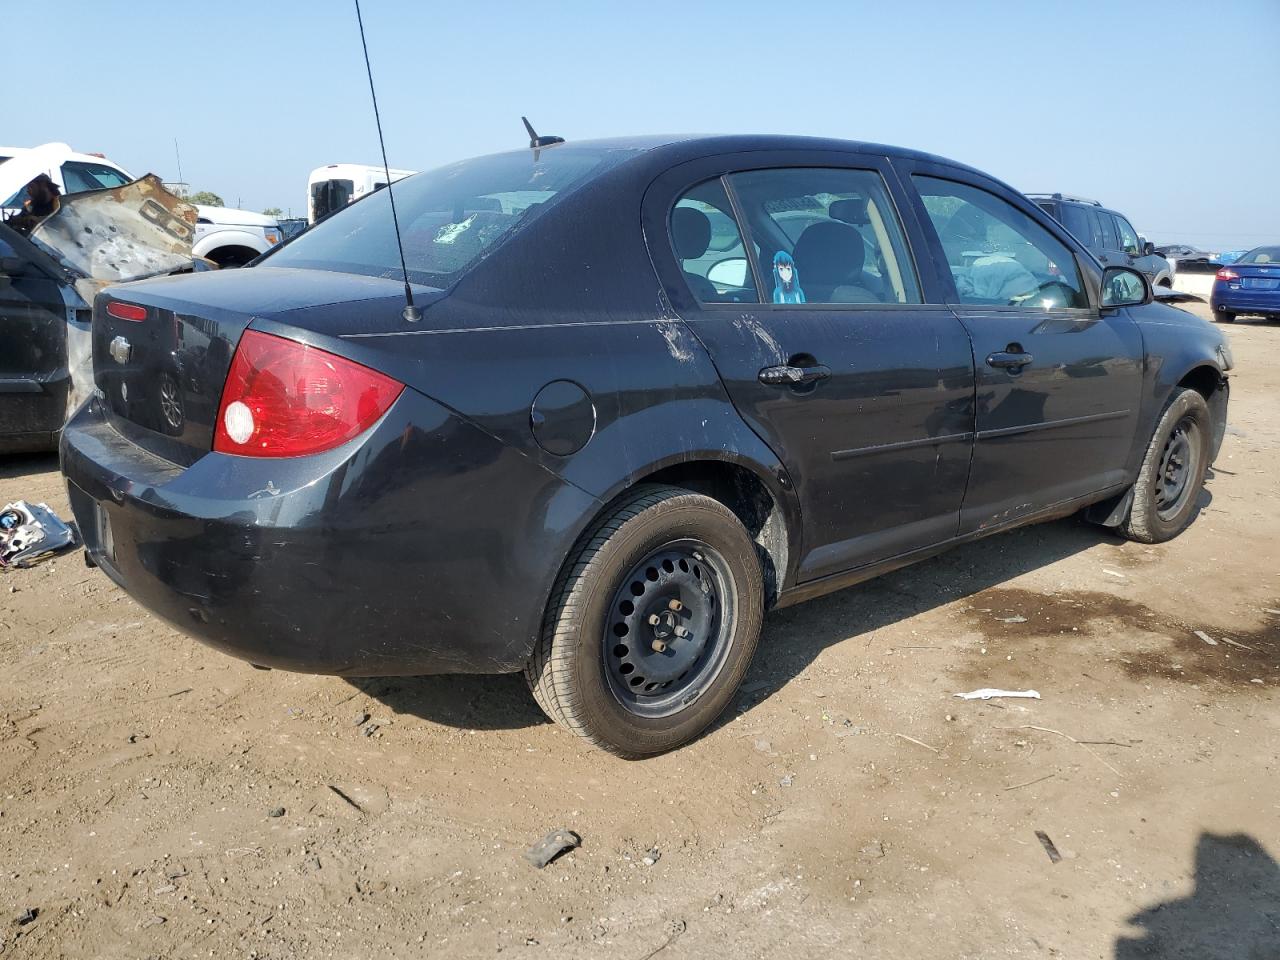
{"x": 746, "y": 495}
{"x": 234, "y": 253}
{"x": 1204, "y": 380}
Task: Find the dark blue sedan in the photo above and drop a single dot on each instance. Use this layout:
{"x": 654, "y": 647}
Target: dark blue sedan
{"x": 1250, "y": 285}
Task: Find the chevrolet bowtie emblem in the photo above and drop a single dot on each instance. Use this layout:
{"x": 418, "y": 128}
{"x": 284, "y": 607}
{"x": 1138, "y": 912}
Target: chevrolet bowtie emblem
{"x": 120, "y": 350}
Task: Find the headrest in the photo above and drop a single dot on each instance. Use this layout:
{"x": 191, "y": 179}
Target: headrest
{"x": 852, "y": 210}
{"x": 691, "y": 231}
{"x": 829, "y": 253}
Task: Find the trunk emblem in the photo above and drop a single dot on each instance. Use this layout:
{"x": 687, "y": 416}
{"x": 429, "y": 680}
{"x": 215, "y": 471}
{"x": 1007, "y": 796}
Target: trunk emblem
{"x": 120, "y": 350}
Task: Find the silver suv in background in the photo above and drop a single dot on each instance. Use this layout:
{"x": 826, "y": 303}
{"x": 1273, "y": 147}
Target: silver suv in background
{"x": 1109, "y": 235}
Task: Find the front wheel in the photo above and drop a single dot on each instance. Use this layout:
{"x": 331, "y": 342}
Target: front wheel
{"x": 1166, "y": 496}
{"x": 652, "y": 624}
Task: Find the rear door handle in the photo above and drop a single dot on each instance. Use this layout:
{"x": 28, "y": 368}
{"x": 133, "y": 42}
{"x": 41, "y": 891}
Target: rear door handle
{"x": 787, "y": 376}
{"x": 1009, "y": 361}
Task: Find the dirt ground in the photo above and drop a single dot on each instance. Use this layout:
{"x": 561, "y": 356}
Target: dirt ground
{"x": 847, "y": 805}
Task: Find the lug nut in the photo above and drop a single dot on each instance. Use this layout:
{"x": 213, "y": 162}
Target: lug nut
{"x": 659, "y": 646}
{"x": 675, "y": 605}
{"x": 654, "y": 619}
{"x": 682, "y": 632}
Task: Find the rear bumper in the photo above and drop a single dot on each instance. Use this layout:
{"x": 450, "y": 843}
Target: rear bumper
{"x": 424, "y": 546}
{"x": 1244, "y": 301}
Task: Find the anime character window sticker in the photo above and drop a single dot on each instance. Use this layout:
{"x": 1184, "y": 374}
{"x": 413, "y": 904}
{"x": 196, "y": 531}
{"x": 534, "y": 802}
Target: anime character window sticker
{"x": 786, "y": 279}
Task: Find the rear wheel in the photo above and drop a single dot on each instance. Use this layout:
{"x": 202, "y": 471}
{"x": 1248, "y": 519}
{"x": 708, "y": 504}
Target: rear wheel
{"x": 652, "y": 624}
{"x": 1224, "y": 316}
{"x": 1172, "y": 474}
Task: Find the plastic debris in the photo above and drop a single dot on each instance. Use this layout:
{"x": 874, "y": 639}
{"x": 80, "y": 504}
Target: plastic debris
{"x": 987, "y": 693}
{"x": 551, "y": 846}
{"x": 1206, "y": 638}
{"x": 28, "y": 916}
{"x": 652, "y": 857}
{"x": 1014, "y": 619}
{"x": 30, "y": 533}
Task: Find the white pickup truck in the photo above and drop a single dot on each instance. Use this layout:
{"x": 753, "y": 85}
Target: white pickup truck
{"x": 228, "y": 237}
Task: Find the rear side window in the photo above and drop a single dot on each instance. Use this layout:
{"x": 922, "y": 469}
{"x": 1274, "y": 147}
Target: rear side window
{"x": 1110, "y": 237}
{"x": 1076, "y": 219}
{"x": 449, "y": 218}
{"x": 708, "y": 244}
{"x": 998, "y": 255}
{"x": 826, "y": 235}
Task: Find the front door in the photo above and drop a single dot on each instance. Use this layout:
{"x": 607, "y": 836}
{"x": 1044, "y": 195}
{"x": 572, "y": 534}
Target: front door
{"x": 820, "y": 329}
{"x": 1058, "y": 383}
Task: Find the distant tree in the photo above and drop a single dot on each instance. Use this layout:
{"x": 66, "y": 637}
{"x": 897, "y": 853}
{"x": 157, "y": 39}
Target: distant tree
{"x": 273, "y": 212}
{"x": 206, "y": 197}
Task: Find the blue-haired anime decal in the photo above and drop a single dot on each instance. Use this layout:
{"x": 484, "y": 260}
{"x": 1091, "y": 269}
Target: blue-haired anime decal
{"x": 786, "y": 279}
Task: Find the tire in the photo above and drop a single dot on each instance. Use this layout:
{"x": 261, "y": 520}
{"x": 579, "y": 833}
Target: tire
{"x": 1179, "y": 449}
{"x": 1224, "y": 316}
{"x": 604, "y": 670}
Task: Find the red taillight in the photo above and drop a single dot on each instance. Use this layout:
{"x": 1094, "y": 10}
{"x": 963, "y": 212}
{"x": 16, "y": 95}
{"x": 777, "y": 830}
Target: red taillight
{"x": 1227, "y": 274}
{"x": 286, "y": 399}
{"x": 126, "y": 311}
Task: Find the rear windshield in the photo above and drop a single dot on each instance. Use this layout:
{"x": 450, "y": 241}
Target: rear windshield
{"x": 449, "y": 218}
{"x": 1262, "y": 255}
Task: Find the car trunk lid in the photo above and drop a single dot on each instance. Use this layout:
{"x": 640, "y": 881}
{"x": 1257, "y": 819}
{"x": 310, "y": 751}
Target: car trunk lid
{"x": 162, "y": 348}
{"x": 1257, "y": 276}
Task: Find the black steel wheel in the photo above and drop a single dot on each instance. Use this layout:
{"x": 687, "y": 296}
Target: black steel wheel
{"x": 1166, "y": 495}
{"x": 669, "y": 632}
{"x": 652, "y": 624}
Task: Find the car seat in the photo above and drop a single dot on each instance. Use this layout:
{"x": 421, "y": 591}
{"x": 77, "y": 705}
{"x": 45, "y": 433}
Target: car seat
{"x": 691, "y": 234}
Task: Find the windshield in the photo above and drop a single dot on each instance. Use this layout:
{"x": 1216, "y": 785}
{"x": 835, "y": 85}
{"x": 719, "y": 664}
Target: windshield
{"x": 449, "y": 218}
{"x": 1262, "y": 255}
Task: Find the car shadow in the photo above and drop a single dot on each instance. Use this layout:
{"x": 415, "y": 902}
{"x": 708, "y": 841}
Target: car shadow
{"x": 792, "y": 637}
{"x": 14, "y": 465}
{"x": 1233, "y": 913}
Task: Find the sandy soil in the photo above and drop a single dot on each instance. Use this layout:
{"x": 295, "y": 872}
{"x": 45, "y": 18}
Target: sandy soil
{"x": 846, "y": 806}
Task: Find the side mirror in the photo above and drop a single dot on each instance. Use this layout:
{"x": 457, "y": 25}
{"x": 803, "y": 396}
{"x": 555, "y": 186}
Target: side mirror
{"x": 1122, "y": 287}
{"x": 729, "y": 273}
{"x": 1148, "y": 248}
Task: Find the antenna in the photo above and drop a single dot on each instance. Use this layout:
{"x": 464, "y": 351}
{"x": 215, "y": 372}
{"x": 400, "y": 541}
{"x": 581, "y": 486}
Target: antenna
{"x": 411, "y": 313}
{"x": 536, "y": 141}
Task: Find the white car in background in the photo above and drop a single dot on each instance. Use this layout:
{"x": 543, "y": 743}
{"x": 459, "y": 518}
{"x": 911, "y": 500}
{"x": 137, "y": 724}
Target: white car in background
{"x": 228, "y": 237}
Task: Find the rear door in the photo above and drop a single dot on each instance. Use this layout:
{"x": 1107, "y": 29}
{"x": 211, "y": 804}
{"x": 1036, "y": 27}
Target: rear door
{"x": 1058, "y": 382}
{"x": 852, "y": 369}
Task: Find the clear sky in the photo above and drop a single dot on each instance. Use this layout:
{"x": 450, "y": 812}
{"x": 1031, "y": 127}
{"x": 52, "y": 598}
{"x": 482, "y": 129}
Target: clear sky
{"x": 1168, "y": 110}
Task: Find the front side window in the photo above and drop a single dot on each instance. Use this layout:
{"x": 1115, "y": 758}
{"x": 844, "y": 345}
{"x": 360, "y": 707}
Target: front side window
{"x": 1128, "y": 238}
{"x": 826, "y": 236}
{"x": 708, "y": 244}
{"x": 998, "y": 255}
{"x": 80, "y": 176}
{"x": 450, "y": 218}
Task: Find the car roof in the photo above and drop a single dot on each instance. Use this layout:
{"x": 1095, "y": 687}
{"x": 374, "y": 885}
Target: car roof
{"x": 82, "y": 157}
{"x": 671, "y": 149}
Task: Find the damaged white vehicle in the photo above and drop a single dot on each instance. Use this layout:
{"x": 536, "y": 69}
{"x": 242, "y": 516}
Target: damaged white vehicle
{"x": 52, "y": 264}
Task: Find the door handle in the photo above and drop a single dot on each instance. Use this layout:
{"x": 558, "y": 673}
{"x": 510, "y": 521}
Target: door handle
{"x": 786, "y": 375}
{"x": 1006, "y": 360}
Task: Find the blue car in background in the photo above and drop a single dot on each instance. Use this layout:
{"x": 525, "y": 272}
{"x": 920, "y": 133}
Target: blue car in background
{"x": 1250, "y": 285}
